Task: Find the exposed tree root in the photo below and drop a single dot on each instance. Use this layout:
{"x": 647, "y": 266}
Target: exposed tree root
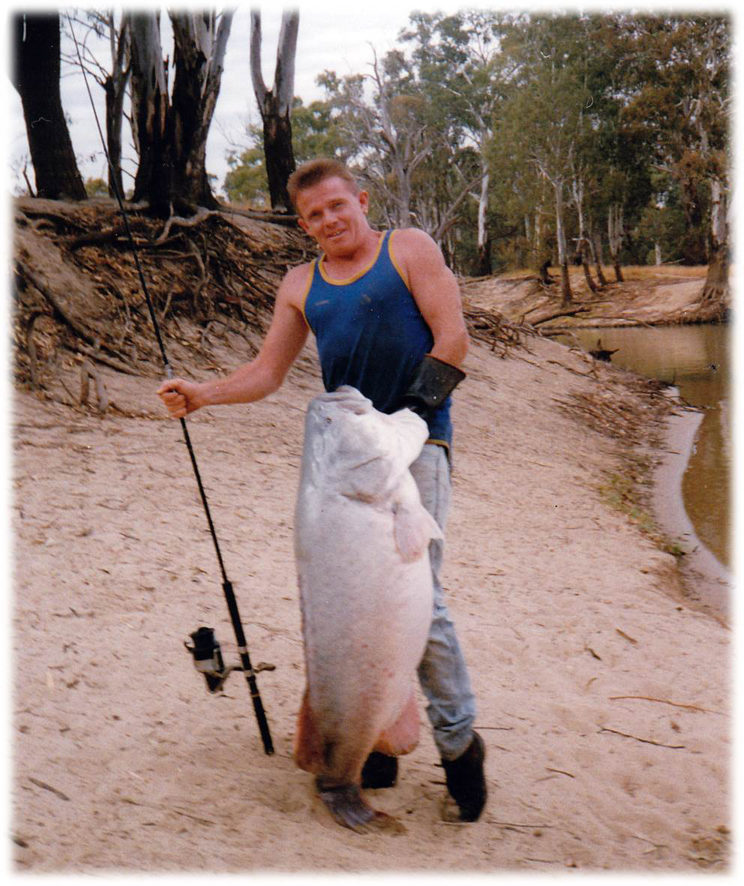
{"x": 74, "y": 264}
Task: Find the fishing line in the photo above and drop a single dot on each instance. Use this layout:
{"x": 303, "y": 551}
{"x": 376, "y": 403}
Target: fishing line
{"x": 205, "y": 647}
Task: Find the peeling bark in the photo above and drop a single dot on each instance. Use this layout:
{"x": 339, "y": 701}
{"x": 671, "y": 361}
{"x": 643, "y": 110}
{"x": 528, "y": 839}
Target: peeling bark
{"x": 200, "y": 44}
{"x": 275, "y": 106}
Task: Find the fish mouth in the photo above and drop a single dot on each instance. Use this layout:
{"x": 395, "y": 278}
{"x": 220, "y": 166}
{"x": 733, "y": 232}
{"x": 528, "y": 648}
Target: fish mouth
{"x": 347, "y": 398}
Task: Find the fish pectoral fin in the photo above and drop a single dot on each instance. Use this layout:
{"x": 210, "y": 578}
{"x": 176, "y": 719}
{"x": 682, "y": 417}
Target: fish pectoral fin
{"x": 308, "y": 747}
{"x": 402, "y": 737}
{"x": 413, "y": 527}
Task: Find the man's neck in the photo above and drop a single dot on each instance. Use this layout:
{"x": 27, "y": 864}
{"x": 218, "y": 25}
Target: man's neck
{"x": 341, "y": 267}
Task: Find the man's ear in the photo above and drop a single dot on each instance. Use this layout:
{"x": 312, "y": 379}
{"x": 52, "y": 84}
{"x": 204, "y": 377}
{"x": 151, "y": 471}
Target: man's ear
{"x": 302, "y": 223}
{"x": 363, "y": 197}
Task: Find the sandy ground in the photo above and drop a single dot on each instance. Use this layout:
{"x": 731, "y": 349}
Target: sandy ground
{"x": 657, "y": 299}
{"x": 604, "y": 692}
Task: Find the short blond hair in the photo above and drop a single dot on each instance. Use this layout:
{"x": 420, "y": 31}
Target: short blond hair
{"x": 314, "y": 171}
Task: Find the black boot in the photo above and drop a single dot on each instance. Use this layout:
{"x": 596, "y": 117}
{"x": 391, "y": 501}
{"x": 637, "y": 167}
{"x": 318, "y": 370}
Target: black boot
{"x": 379, "y": 771}
{"x": 465, "y": 780}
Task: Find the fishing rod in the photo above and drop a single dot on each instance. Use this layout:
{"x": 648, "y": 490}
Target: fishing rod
{"x": 205, "y": 649}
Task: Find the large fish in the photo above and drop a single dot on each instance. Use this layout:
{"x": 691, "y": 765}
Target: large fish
{"x": 361, "y": 542}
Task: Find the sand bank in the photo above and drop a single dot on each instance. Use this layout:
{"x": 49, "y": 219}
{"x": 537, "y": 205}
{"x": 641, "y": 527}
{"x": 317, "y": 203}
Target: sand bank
{"x": 603, "y": 694}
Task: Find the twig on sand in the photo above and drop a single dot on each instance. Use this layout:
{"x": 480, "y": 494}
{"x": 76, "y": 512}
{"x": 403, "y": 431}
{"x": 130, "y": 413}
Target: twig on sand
{"x": 48, "y": 787}
{"x": 658, "y": 744}
{"x": 676, "y": 704}
{"x": 174, "y": 809}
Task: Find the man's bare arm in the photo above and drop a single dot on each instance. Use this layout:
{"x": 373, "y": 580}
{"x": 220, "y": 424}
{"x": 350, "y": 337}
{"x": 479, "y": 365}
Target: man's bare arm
{"x": 436, "y": 292}
{"x": 263, "y": 375}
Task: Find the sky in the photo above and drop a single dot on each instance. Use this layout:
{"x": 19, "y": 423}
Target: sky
{"x": 333, "y": 35}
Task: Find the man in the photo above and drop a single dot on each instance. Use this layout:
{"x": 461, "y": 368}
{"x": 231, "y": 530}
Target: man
{"x": 387, "y": 318}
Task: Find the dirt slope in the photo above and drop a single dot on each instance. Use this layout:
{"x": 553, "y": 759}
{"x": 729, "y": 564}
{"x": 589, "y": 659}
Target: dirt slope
{"x": 603, "y": 690}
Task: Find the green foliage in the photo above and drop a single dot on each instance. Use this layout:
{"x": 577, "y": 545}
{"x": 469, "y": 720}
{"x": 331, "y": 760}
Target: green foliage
{"x": 615, "y": 112}
{"x": 663, "y": 226}
{"x": 314, "y": 134}
{"x": 96, "y": 187}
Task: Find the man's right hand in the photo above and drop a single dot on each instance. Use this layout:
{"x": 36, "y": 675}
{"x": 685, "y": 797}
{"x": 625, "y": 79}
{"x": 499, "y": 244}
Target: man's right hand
{"x": 180, "y": 396}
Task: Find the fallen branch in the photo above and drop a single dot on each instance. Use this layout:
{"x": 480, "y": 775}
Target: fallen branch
{"x": 688, "y": 707}
{"x": 48, "y": 787}
{"x": 658, "y": 744}
{"x": 275, "y": 218}
{"x": 554, "y": 315}
{"x": 95, "y": 238}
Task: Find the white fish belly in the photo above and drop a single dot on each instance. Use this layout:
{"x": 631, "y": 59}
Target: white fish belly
{"x": 366, "y": 618}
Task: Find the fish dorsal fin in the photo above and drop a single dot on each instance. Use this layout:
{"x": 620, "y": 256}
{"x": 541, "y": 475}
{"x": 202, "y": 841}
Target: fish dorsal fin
{"x": 414, "y": 528}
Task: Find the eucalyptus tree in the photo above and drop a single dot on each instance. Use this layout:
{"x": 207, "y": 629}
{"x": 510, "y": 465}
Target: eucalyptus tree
{"x": 150, "y": 110}
{"x": 314, "y": 134}
{"x": 464, "y": 76}
{"x": 200, "y": 42}
{"x": 383, "y": 121}
{"x": 113, "y": 30}
{"x": 35, "y": 74}
{"x": 546, "y": 110}
{"x": 404, "y": 133}
{"x": 679, "y": 83}
{"x": 275, "y": 105}
{"x": 170, "y": 133}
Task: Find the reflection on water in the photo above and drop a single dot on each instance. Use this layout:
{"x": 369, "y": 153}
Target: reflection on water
{"x": 696, "y": 360}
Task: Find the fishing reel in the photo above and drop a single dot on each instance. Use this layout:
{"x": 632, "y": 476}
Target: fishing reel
{"x": 208, "y": 660}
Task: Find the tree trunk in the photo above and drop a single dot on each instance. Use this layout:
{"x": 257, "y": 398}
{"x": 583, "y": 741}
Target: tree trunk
{"x": 275, "y": 106}
{"x": 560, "y": 234}
{"x": 36, "y": 41}
{"x": 150, "y": 113}
{"x": 577, "y": 186}
{"x": 615, "y": 237}
{"x": 279, "y": 156}
{"x": 114, "y": 111}
{"x": 585, "y": 264}
{"x": 595, "y": 242}
{"x": 484, "y": 241}
{"x": 715, "y": 290}
{"x": 200, "y": 45}
{"x": 115, "y": 86}
{"x": 537, "y": 245}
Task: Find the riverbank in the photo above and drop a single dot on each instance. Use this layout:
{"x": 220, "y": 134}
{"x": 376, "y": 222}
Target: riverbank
{"x": 705, "y": 578}
{"x": 647, "y": 296}
{"x": 603, "y": 687}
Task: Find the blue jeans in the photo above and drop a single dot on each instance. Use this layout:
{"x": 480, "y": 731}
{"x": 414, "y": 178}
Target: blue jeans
{"x": 442, "y": 673}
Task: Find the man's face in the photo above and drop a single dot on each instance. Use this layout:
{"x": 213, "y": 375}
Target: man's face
{"x": 334, "y": 215}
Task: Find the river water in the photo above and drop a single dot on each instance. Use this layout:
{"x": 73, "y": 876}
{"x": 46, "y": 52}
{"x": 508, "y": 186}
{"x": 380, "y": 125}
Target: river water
{"x": 696, "y": 359}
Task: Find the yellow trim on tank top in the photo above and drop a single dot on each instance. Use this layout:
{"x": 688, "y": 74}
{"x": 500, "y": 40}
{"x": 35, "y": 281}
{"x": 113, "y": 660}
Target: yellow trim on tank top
{"x": 355, "y": 276}
{"x": 394, "y": 261}
{"x": 308, "y": 287}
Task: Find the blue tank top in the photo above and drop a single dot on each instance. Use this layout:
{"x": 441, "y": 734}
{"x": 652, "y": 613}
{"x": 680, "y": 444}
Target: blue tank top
{"x": 371, "y": 335}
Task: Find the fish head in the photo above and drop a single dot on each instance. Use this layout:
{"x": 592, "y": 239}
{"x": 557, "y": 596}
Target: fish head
{"x": 360, "y": 450}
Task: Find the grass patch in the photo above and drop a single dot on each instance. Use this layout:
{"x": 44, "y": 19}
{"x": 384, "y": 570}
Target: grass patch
{"x": 621, "y": 493}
